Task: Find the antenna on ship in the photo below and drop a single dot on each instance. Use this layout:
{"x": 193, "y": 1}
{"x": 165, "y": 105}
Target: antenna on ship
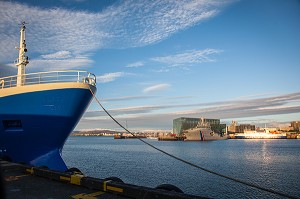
{"x": 22, "y": 61}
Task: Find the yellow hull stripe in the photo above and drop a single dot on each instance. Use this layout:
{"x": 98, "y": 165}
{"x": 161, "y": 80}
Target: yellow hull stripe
{"x": 41, "y": 87}
{"x": 13, "y": 178}
{"x": 31, "y": 171}
{"x": 104, "y": 184}
{"x": 116, "y": 189}
{"x": 64, "y": 178}
{"x": 76, "y": 179}
{"x": 88, "y": 196}
{"x": 111, "y": 188}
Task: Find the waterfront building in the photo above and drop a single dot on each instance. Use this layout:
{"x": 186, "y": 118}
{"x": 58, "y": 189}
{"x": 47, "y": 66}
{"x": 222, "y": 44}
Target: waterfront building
{"x": 235, "y": 128}
{"x": 231, "y": 128}
{"x": 286, "y": 128}
{"x": 184, "y": 123}
{"x": 295, "y": 125}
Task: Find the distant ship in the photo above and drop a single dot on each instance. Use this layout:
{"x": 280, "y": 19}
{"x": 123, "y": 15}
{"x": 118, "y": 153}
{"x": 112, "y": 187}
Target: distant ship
{"x": 38, "y": 111}
{"x": 202, "y": 132}
{"x": 264, "y": 134}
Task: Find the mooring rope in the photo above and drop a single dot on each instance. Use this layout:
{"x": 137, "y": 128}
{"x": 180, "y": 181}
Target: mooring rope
{"x": 192, "y": 164}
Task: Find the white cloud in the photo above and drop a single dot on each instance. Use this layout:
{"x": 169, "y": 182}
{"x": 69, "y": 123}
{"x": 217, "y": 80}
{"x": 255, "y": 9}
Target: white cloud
{"x": 126, "y": 98}
{"x": 181, "y": 60}
{"x": 124, "y": 24}
{"x": 187, "y": 58}
{"x": 158, "y": 87}
{"x": 135, "y": 65}
{"x": 58, "y": 55}
{"x": 109, "y": 77}
{"x": 59, "y": 64}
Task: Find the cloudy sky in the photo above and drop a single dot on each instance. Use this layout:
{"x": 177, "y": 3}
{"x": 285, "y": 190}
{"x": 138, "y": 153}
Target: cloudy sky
{"x": 162, "y": 59}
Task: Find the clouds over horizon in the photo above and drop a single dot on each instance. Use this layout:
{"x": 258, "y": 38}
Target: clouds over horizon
{"x": 150, "y": 114}
{"x": 82, "y": 32}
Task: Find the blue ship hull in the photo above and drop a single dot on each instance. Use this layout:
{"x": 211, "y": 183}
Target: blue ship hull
{"x": 35, "y": 124}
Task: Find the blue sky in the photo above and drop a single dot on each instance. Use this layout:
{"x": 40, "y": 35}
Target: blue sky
{"x": 159, "y": 60}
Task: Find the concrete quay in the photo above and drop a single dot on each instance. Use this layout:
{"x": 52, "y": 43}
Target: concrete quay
{"x": 23, "y": 181}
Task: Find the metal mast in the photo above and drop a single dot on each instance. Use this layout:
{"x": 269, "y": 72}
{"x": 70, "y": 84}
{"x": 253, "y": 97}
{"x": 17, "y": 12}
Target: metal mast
{"x": 22, "y": 61}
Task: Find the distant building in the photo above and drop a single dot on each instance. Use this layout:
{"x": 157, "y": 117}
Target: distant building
{"x": 232, "y": 127}
{"x": 184, "y": 123}
{"x": 286, "y": 128}
{"x": 295, "y": 125}
{"x": 235, "y": 128}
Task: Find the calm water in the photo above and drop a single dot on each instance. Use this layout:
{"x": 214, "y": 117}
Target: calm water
{"x": 272, "y": 164}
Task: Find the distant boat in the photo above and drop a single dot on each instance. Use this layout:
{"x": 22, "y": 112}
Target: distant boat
{"x": 128, "y": 136}
{"x": 38, "y": 111}
{"x": 152, "y": 138}
{"x": 202, "y": 132}
{"x": 264, "y": 134}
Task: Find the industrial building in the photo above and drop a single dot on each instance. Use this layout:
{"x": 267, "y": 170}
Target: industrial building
{"x": 235, "y": 128}
{"x": 184, "y": 123}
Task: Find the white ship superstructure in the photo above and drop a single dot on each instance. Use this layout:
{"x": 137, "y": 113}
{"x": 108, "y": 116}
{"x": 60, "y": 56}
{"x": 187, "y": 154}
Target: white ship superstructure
{"x": 202, "y": 132}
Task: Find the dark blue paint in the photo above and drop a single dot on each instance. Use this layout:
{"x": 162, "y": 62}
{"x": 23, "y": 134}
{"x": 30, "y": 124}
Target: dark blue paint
{"x": 48, "y": 117}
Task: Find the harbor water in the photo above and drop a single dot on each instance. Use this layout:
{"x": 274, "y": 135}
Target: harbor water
{"x": 272, "y": 164}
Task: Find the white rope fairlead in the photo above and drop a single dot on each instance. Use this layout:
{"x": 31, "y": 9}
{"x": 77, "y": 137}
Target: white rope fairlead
{"x": 194, "y": 165}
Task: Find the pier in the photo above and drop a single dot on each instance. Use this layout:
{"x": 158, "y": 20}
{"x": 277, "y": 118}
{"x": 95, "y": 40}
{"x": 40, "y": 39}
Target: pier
{"x": 23, "y": 181}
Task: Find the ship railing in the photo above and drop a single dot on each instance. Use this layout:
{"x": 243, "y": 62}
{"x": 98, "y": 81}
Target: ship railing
{"x": 49, "y": 77}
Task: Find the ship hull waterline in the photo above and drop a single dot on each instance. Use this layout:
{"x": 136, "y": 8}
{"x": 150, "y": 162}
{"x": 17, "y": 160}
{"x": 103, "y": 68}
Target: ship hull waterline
{"x": 36, "y": 120}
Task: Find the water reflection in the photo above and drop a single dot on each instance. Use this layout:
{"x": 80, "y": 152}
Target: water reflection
{"x": 270, "y": 163}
